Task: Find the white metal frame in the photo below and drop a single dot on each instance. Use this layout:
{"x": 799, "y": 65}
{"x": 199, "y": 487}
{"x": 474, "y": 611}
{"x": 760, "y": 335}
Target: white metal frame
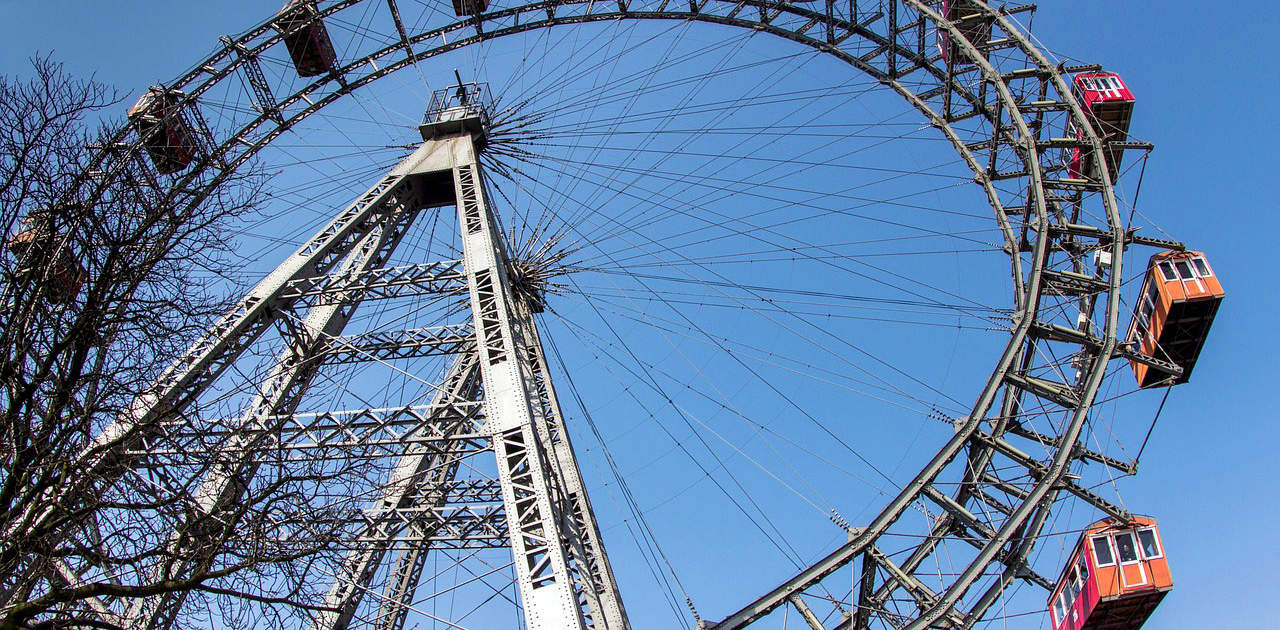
{"x": 1155, "y": 534}
{"x": 1111, "y": 549}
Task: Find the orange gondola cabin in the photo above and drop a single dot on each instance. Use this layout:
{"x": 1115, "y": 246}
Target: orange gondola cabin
{"x": 30, "y": 246}
{"x": 971, "y": 22}
{"x": 165, "y": 133}
{"x": 1108, "y": 103}
{"x": 306, "y": 38}
{"x": 1180, "y": 298}
{"x": 1116, "y": 577}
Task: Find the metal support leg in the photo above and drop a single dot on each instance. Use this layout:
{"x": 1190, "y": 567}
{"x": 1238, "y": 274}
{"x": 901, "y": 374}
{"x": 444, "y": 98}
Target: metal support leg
{"x": 401, "y": 491}
{"x": 586, "y": 548}
{"x": 537, "y": 532}
{"x": 281, "y": 391}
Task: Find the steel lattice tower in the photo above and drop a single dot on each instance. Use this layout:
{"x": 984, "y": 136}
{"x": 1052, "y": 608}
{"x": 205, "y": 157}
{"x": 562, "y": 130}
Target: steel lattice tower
{"x": 497, "y": 396}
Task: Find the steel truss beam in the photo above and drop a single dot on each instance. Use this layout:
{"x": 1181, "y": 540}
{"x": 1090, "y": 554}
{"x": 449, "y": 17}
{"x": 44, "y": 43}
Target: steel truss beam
{"x": 359, "y": 427}
{"x": 444, "y": 278}
{"x": 397, "y": 344}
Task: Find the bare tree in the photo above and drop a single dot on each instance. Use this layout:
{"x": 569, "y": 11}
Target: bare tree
{"x": 106, "y": 280}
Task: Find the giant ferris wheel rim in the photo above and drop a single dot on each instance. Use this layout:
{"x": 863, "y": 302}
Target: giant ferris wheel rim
{"x": 224, "y": 63}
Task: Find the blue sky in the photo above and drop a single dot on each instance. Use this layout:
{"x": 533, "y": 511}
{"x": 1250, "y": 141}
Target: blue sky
{"x": 1204, "y": 99}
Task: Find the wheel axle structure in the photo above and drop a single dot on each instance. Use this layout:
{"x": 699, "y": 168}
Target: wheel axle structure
{"x": 487, "y": 462}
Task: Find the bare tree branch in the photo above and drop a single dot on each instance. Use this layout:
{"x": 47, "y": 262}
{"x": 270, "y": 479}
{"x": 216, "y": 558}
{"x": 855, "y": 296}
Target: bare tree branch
{"x": 104, "y": 283}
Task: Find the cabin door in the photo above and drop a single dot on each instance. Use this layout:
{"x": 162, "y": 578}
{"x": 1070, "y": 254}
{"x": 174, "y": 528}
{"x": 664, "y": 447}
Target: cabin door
{"x": 1133, "y": 571}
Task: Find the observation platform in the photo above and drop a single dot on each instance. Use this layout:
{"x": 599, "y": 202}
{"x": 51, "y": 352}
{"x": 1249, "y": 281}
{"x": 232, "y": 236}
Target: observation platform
{"x": 456, "y": 110}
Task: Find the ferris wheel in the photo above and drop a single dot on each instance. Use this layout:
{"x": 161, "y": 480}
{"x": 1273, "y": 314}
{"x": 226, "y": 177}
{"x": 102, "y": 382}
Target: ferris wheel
{"x": 811, "y": 313}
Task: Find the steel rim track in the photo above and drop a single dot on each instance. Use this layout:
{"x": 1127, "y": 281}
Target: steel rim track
{"x": 819, "y": 30}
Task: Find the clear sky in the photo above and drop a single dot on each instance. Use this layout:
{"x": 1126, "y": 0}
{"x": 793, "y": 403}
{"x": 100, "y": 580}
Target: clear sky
{"x": 1204, "y": 78}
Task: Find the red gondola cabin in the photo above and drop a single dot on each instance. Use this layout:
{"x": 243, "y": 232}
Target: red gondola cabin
{"x": 1116, "y": 577}
{"x": 1180, "y": 298}
{"x": 1108, "y": 103}
{"x": 969, "y": 19}
{"x": 165, "y": 133}
{"x": 306, "y": 38}
{"x": 31, "y": 248}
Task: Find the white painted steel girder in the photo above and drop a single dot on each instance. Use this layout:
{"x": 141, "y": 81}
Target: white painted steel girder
{"x": 536, "y": 531}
